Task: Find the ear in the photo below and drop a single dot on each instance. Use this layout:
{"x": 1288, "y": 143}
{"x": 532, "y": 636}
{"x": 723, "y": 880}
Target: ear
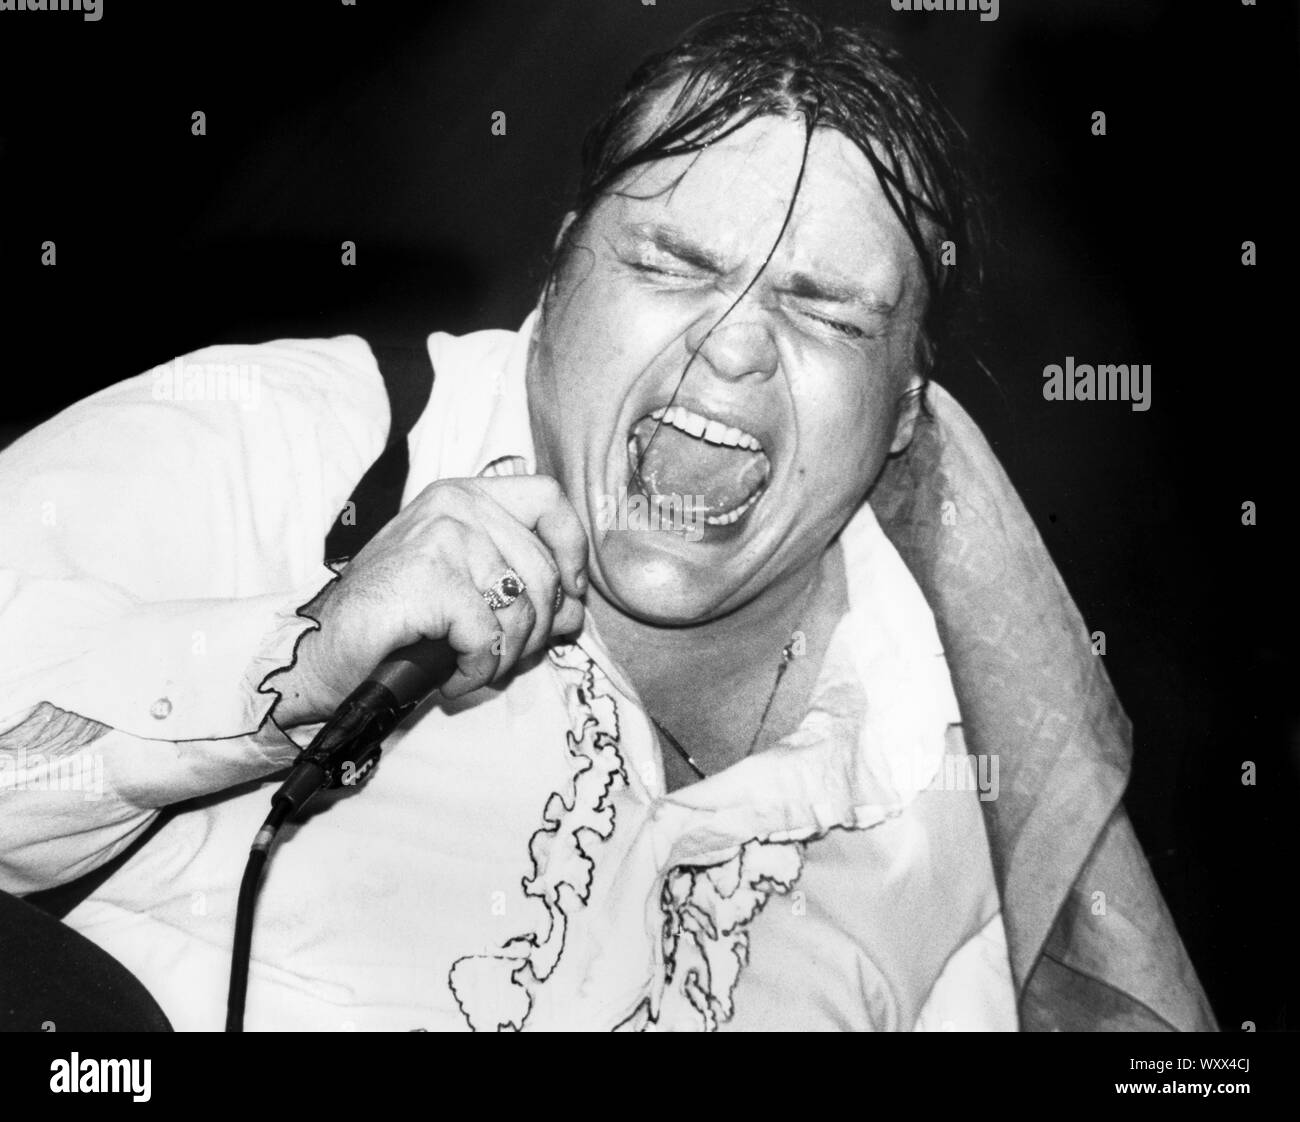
{"x": 909, "y": 409}
{"x": 552, "y": 274}
{"x": 564, "y": 229}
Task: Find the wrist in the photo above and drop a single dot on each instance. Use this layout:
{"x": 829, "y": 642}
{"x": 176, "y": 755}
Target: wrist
{"x": 303, "y": 699}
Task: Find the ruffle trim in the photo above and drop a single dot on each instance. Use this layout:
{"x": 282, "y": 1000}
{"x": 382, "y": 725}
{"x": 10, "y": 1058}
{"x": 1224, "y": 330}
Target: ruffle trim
{"x": 707, "y": 912}
{"x": 495, "y": 992}
{"x": 278, "y": 652}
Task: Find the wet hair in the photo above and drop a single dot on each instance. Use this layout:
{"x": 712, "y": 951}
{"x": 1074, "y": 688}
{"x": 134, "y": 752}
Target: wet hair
{"x": 773, "y": 59}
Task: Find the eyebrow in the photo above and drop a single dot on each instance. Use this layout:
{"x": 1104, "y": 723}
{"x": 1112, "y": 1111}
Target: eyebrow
{"x": 673, "y": 241}
{"x": 803, "y": 285}
{"x": 834, "y": 291}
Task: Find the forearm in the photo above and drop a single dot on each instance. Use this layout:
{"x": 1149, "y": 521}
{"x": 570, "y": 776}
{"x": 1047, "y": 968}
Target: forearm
{"x": 85, "y": 768}
{"x": 64, "y": 811}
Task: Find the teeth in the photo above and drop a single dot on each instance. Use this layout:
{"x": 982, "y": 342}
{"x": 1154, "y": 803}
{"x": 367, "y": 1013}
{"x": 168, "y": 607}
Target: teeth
{"x": 734, "y": 515}
{"x": 714, "y": 431}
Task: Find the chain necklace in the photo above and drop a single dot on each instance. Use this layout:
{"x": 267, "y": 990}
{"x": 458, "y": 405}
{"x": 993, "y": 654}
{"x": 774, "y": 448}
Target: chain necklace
{"x": 787, "y": 657}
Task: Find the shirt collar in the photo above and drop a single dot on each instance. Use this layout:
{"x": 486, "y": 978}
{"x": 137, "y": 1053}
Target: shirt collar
{"x": 479, "y": 412}
{"x": 476, "y": 421}
{"x": 508, "y": 443}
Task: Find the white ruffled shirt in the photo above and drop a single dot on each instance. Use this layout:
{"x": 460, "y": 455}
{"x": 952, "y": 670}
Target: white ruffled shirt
{"x": 515, "y": 860}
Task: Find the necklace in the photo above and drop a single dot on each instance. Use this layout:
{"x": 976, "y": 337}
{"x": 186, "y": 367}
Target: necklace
{"x": 787, "y": 656}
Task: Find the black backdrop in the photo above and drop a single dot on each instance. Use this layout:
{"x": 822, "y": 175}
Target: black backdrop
{"x": 372, "y": 123}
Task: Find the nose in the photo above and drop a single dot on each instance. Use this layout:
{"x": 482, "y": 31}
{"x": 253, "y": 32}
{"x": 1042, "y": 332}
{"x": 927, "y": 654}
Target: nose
{"x": 742, "y": 346}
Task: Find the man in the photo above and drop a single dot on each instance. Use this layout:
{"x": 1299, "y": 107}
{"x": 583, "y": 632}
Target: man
{"x": 728, "y": 746}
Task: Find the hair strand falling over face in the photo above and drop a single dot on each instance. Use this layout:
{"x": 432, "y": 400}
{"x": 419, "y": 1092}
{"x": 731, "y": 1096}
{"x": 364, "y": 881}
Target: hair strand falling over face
{"x": 773, "y": 60}
{"x": 810, "y": 123}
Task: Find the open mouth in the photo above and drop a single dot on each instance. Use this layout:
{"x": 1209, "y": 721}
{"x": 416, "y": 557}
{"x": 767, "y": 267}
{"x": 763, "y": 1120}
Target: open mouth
{"x": 720, "y": 470}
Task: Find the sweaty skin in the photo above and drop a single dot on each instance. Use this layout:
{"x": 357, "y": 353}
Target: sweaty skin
{"x": 813, "y": 362}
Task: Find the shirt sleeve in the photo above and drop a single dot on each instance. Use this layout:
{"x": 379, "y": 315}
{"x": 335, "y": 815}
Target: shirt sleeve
{"x": 157, "y": 541}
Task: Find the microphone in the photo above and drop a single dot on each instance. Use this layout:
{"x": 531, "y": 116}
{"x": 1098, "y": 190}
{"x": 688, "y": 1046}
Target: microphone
{"x": 340, "y": 755}
{"x": 413, "y": 672}
{"x": 348, "y": 745}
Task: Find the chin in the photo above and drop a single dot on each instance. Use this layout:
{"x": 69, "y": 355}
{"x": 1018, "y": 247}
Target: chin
{"x": 659, "y": 586}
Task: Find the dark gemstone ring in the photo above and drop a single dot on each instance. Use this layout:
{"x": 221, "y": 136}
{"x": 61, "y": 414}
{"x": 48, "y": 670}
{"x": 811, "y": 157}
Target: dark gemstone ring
{"x": 508, "y": 588}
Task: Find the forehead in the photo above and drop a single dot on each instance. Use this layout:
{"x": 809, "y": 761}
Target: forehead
{"x": 734, "y": 195}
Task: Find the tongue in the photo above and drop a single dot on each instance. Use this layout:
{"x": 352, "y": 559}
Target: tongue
{"x": 676, "y": 463}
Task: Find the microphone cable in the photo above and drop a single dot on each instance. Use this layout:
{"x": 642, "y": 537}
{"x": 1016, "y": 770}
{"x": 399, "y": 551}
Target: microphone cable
{"x": 342, "y": 754}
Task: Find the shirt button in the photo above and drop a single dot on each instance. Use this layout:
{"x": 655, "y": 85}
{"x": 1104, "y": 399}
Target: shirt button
{"x": 160, "y": 709}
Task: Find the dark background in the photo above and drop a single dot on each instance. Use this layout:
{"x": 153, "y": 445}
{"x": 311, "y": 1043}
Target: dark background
{"x": 372, "y": 123}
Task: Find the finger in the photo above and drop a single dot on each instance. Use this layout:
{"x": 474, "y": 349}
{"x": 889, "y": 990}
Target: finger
{"x": 543, "y": 580}
{"x": 530, "y": 557}
{"x": 488, "y": 564}
{"x": 540, "y": 505}
{"x": 470, "y": 552}
{"x": 475, "y": 634}
{"x": 570, "y": 617}
{"x": 568, "y": 614}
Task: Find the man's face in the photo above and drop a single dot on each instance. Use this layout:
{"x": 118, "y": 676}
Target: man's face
{"x": 797, "y": 389}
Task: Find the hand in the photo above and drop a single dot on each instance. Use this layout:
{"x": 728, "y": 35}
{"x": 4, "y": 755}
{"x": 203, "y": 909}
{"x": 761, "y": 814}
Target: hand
{"x": 422, "y": 576}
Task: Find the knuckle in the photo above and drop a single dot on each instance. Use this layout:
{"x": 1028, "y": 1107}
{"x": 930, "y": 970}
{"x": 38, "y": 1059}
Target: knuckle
{"x": 439, "y": 493}
{"x": 457, "y": 488}
{"x": 448, "y": 536}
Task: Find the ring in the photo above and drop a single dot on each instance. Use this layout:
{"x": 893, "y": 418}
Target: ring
{"x": 508, "y": 588}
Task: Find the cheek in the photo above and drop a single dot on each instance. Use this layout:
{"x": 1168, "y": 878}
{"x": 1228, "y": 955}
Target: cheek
{"x": 599, "y": 336}
{"x": 605, "y": 332}
{"x": 845, "y": 432}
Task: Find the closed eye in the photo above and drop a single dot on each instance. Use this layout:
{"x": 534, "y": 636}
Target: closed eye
{"x": 849, "y": 330}
{"x": 658, "y": 270}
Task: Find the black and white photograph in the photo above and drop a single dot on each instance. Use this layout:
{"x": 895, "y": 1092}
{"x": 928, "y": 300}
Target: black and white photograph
{"x": 648, "y": 515}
